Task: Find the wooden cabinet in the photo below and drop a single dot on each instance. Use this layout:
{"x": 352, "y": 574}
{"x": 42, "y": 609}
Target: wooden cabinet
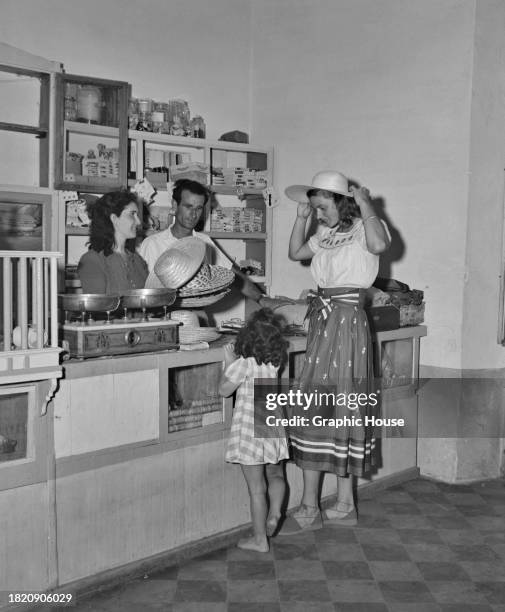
{"x": 91, "y": 133}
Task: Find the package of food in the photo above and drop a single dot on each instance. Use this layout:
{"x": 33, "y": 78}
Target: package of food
{"x": 194, "y": 171}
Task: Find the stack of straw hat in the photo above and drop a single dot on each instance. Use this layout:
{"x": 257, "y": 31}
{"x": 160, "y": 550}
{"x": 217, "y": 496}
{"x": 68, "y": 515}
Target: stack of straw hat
{"x": 190, "y": 330}
{"x": 182, "y": 267}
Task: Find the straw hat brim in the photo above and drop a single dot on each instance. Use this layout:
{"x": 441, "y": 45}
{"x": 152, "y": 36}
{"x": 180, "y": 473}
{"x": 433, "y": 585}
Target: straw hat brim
{"x": 179, "y": 263}
{"x": 200, "y": 301}
{"x": 220, "y": 278}
{"x": 188, "y": 335}
{"x": 298, "y": 193}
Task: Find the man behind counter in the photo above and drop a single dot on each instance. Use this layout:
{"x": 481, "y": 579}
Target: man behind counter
{"x": 189, "y": 198}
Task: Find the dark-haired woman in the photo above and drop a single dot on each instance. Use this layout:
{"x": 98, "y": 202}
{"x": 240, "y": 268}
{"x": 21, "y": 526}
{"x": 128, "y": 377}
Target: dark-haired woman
{"x": 345, "y": 261}
{"x": 111, "y": 264}
{"x": 259, "y": 351}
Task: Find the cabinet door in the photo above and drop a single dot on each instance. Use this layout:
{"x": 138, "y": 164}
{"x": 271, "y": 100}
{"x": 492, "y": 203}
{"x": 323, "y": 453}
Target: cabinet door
{"x": 91, "y": 133}
{"x": 24, "y": 126}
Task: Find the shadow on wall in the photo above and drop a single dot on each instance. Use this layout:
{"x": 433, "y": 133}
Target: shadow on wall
{"x": 398, "y": 247}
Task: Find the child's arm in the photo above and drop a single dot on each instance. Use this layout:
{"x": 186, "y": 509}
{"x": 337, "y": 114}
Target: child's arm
{"x": 226, "y": 385}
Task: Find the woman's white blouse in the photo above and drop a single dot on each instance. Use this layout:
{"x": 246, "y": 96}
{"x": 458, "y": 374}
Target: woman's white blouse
{"x": 341, "y": 259}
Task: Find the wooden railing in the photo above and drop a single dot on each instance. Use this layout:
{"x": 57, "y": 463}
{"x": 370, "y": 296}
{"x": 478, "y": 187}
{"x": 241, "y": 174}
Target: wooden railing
{"x": 29, "y": 299}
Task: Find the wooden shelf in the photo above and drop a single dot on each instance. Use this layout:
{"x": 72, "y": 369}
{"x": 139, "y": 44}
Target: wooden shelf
{"x": 90, "y": 184}
{"x": 229, "y": 190}
{"x": 23, "y": 129}
{"x": 196, "y": 143}
{"x": 91, "y": 129}
{"x": 237, "y": 235}
{"x": 167, "y": 139}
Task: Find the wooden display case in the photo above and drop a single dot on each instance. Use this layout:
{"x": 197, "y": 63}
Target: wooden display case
{"x": 91, "y": 133}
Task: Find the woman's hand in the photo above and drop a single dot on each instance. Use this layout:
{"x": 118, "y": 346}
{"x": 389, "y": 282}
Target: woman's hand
{"x": 298, "y": 247}
{"x": 362, "y": 197}
{"x": 304, "y": 210}
{"x": 275, "y": 302}
{"x": 377, "y": 240}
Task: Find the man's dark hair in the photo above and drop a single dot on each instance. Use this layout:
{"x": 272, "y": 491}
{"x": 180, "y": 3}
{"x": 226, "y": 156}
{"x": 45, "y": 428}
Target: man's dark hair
{"x": 193, "y": 186}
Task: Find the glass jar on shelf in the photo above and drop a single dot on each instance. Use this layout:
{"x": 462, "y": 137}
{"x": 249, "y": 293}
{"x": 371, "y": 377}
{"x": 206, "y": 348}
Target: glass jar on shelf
{"x": 89, "y": 104}
{"x": 133, "y": 113}
{"x": 157, "y": 121}
{"x": 70, "y": 102}
{"x": 197, "y": 127}
{"x": 145, "y": 107}
{"x": 178, "y": 117}
{"x": 162, "y": 107}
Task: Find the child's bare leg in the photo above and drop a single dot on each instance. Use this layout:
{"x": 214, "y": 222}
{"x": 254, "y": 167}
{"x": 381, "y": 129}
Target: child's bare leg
{"x": 255, "y": 479}
{"x": 276, "y": 492}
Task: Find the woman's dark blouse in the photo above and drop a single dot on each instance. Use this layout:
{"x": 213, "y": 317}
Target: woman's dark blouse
{"x": 112, "y": 273}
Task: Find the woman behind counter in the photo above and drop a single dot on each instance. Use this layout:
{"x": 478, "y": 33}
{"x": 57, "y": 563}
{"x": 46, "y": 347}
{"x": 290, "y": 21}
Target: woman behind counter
{"x": 111, "y": 264}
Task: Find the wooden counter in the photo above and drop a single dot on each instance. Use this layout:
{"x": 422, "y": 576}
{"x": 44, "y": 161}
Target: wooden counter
{"x": 120, "y": 489}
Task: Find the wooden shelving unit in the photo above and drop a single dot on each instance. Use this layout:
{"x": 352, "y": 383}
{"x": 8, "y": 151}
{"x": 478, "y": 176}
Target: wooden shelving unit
{"x": 257, "y": 245}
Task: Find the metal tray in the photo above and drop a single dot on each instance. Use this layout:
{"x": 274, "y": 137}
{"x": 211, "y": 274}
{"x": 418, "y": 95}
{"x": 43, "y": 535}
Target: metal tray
{"x": 89, "y": 302}
{"x": 148, "y": 298}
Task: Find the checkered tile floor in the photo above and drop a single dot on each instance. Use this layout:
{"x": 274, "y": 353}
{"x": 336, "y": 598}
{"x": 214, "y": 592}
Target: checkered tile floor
{"x": 419, "y": 547}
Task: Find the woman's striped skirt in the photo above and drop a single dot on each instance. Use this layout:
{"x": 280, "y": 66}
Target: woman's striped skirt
{"x": 339, "y": 362}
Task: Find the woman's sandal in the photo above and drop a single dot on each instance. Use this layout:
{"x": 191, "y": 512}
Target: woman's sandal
{"x": 333, "y": 516}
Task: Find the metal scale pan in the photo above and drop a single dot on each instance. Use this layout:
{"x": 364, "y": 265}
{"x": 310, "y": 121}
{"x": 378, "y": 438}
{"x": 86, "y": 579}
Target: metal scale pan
{"x": 88, "y": 302}
{"x": 147, "y": 298}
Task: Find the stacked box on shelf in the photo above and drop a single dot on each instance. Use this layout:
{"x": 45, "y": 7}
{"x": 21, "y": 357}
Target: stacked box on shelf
{"x": 236, "y": 219}
{"x": 194, "y": 171}
{"x": 242, "y": 177}
{"x": 104, "y": 163}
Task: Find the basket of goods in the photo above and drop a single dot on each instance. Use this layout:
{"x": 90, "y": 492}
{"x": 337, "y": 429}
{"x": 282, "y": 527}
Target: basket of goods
{"x": 392, "y": 296}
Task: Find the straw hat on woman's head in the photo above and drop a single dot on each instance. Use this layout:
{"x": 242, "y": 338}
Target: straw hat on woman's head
{"x": 328, "y": 180}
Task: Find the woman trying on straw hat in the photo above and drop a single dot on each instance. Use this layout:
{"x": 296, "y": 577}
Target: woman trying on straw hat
{"x": 345, "y": 259}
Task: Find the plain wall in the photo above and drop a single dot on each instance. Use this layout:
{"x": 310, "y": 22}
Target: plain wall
{"x": 380, "y": 91}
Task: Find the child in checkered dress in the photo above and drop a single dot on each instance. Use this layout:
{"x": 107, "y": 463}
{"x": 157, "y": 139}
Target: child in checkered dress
{"x": 259, "y": 351}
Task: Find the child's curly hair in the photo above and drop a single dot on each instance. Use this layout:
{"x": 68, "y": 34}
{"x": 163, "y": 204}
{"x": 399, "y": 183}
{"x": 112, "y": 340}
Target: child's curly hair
{"x": 261, "y": 338}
